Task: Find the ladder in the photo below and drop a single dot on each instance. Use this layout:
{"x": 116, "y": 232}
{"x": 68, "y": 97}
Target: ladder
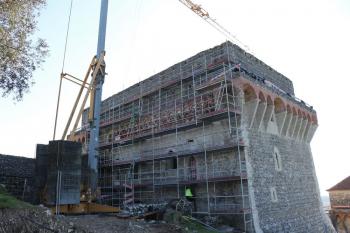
{"x": 129, "y": 193}
{"x": 129, "y": 186}
{"x": 134, "y": 115}
{"x": 193, "y": 170}
{"x": 220, "y": 96}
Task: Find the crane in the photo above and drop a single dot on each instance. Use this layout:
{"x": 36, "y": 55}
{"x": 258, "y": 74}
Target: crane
{"x": 96, "y": 71}
{"x": 94, "y": 88}
{"x": 206, "y": 17}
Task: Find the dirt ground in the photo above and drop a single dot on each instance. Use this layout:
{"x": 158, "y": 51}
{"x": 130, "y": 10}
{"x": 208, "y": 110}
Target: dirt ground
{"x": 109, "y": 224}
{"x": 20, "y": 217}
{"x": 40, "y": 220}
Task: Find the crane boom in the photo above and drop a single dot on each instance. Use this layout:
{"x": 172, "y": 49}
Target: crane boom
{"x": 205, "y": 16}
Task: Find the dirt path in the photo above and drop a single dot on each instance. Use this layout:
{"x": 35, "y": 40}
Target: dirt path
{"x": 40, "y": 220}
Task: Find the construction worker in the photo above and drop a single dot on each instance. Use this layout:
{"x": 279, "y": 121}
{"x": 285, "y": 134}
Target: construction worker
{"x": 188, "y": 194}
{"x": 237, "y": 68}
{"x": 189, "y": 198}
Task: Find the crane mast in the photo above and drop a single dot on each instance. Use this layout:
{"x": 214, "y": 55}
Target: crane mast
{"x": 95, "y": 101}
{"x": 98, "y": 76}
{"x": 205, "y": 16}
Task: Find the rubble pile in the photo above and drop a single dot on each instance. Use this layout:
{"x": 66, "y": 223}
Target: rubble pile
{"x": 138, "y": 210}
{"x": 35, "y": 219}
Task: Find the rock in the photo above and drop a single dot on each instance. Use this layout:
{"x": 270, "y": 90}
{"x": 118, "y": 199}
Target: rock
{"x": 211, "y": 220}
{"x": 225, "y": 229}
{"x": 172, "y": 216}
{"x": 141, "y": 209}
{"x": 48, "y": 212}
{"x": 28, "y": 220}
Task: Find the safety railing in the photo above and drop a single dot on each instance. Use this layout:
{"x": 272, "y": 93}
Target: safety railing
{"x": 214, "y": 141}
{"x": 180, "y": 116}
{"x": 186, "y": 175}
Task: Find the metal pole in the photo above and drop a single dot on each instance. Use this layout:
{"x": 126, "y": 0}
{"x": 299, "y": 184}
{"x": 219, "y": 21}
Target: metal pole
{"x": 176, "y": 151}
{"x": 237, "y": 135}
{"x": 194, "y": 96}
{"x": 112, "y": 153}
{"x": 153, "y": 125}
{"x": 24, "y": 188}
{"x": 94, "y": 126}
{"x": 57, "y": 107}
{"x": 206, "y": 168}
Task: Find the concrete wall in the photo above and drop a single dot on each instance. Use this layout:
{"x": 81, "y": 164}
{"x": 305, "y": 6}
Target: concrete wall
{"x": 298, "y": 205}
{"x": 17, "y": 174}
{"x": 64, "y": 158}
{"x": 216, "y": 134}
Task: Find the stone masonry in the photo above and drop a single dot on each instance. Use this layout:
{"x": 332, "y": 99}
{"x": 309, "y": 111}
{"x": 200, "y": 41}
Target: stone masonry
{"x": 223, "y": 124}
{"x": 17, "y": 174}
{"x": 298, "y": 207}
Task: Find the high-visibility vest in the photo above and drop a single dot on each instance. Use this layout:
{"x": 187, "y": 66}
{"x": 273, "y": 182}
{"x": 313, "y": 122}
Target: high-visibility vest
{"x": 188, "y": 193}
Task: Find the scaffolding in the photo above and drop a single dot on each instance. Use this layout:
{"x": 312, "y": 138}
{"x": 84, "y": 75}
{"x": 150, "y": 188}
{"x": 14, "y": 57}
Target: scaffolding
{"x": 174, "y": 134}
{"x": 183, "y": 128}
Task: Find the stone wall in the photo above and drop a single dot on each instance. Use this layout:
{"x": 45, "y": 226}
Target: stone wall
{"x": 285, "y": 199}
{"x": 341, "y": 220}
{"x": 17, "y": 174}
{"x": 340, "y": 198}
{"x": 258, "y": 69}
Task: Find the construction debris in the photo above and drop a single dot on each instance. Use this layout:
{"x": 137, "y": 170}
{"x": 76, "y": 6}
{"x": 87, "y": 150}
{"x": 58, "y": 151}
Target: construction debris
{"x": 111, "y": 224}
{"x": 34, "y": 219}
{"x": 141, "y": 210}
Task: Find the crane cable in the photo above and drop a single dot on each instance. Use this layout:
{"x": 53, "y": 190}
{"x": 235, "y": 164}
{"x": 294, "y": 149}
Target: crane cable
{"x": 63, "y": 62}
{"x": 201, "y": 12}
{"x": 67, "y": 35}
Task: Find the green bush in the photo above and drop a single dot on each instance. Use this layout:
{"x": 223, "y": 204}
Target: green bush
{"x": 8, "y": 201}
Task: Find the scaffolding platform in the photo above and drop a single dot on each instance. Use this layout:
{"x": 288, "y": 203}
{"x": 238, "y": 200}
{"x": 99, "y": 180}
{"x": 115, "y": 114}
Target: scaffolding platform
{"x": 145, "y": 155}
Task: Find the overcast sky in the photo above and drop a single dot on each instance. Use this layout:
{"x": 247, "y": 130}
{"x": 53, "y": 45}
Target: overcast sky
{"x": 306, "y": 40}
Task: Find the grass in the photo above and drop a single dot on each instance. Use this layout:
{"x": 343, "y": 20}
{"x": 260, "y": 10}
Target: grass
{"x": 8, "y": 201}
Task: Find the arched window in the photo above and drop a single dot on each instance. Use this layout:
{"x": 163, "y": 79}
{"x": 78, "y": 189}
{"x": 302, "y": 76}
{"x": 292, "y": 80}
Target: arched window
{"x": 273, "y": 194}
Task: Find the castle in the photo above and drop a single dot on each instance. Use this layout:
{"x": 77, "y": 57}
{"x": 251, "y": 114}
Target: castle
{"x": 223, "y": 124}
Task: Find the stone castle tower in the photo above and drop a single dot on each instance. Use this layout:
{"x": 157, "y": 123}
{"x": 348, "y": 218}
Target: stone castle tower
{"x": 223, "y": 124}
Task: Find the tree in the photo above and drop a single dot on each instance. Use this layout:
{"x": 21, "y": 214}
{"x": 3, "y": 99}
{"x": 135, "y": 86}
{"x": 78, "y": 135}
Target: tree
{"x": 20, "y": 53}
